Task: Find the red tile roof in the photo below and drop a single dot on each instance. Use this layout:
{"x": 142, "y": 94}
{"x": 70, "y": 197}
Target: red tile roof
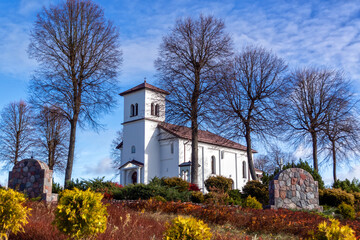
{"x": 204, "y": 136}
{"x": 142, "y": 86}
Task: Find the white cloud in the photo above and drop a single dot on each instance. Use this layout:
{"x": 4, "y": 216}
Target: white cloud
{"x": 14, "y": 40}
{"x": 349, "y": 173}
{"x": 102, "y": 168}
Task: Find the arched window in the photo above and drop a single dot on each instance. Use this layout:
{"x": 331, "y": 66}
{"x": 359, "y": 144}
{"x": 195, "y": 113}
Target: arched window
{"x": 157, "y": 109}
{"x": 152, "y": 109}
{"x": 213, "y": 165}
{"x": 244, "y": 169}
{"x": 136, "y": 109}
{"x": 132, "y": 110}
{"x": 133, "y": 150}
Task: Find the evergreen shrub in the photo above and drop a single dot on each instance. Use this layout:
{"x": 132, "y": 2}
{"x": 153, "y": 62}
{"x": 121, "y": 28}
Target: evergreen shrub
{"x": 347, "y": 211}
{"x": 346, "y": 185}
{"x": 197, "y": 197}
{"x": 176, "y": 182}
{"x": 334, "y": 197}
{"x": 217, "y": 198}
{"x": 218, "y": 184}
{"x": 80, "y": 214}
{"x": 56, "y": 188}
{"x": 235, "y": 197}
{"x": 258, "y": 190}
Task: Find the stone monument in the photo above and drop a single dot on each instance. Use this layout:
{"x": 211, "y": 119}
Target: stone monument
{"x": 294, "y": 188}
{"x": 34, "y": 178}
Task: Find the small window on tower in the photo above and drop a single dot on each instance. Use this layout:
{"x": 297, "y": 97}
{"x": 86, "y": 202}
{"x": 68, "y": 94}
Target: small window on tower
{"x": 132, "y": 110}
{"x": 133, "y": 150}
{"x": 136, "y": 109}
{"x": 157, "y": 110}
{"x": 152, "y": 109}
{"x": 172, "y": 148}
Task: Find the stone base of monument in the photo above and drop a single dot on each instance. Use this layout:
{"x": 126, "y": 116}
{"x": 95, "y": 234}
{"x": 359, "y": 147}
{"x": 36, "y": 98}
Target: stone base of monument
{"x": 53, "y": 197}
{"x": 319, "y": 208}
{"x": 294, "y": 188}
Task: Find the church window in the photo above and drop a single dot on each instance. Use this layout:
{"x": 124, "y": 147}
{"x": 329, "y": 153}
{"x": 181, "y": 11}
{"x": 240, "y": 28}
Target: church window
{"x": 213, "y": 165}
{"x": 157, "y": 109}
{"x": 244, "y": 169}
{"x": 152, "y": 109}
{"x": 172, "y": 148}
{"x": 132, "y": 110}
{"x": 222, "y": 154}
{"x": 133, "y": 150}
{"x": 136, "y": 109}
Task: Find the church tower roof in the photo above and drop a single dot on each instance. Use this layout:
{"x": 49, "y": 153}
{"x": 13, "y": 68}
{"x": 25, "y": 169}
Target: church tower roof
{"x": 146, "y": 86}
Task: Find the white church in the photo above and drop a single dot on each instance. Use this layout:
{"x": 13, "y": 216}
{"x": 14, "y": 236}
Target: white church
{"x": 151, "y": 147}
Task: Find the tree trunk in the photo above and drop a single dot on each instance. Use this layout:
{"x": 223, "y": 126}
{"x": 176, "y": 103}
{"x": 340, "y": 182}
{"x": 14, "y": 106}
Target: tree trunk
{"x": 194, "y": 153}
{"x": 52, "y": 156}
{"x": 194, "y": 127}
{"x": 334, "y": 160}
{"x": 314, "y": 145}
{"x": 17, "y": 146}
{"x": 249, "y": 153}
{"x": 71, "y": 153}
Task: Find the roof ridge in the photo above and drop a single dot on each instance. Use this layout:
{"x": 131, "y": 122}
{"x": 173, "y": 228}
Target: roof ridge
{"x": 142, "y": 86}
{"x": 214, "y": 139}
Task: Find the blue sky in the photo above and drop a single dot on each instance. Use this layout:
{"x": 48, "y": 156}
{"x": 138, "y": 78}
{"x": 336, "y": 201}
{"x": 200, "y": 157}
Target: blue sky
{"x": 318, "y": 33}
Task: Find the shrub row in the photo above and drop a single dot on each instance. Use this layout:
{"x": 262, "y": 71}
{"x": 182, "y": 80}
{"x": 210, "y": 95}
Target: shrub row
{"x": 262, "y": 221}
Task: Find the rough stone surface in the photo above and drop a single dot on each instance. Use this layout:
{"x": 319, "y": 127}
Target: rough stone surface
{"x": 294, "y": 188}
{"x": 34, "y": 178}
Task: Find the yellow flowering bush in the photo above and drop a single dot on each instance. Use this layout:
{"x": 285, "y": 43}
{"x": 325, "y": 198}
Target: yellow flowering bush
{"x": 251, "y": 202}
{"x": 333, "y": 231}
{"x": 187, "y": 229}
{"x": 80, "y": 214}
{"x": 13, "y": 215}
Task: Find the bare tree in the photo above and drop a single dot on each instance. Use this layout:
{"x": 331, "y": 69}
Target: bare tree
{"x": 274, "y": 159}
{"x": 115, "y": 151}
{"x": 190, "y": 57}
{"x": 79, "y": 56}
{"x": 341, "y": 134}
{"x": 313, "y": 94}
{"x": 16, "y": 132}
{"x": 245, "y": 103}
{"x": 53, "y": 136}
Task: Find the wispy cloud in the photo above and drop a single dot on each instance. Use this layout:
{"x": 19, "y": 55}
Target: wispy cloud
{"x": 102, "y": 168}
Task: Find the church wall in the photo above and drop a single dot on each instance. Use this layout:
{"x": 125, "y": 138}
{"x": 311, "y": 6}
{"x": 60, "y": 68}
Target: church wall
{"x": 133, "y": 133}
{"x": 152, "y": 151}
{"x": 228, "y": 166}
{"x": 169, "y": 166}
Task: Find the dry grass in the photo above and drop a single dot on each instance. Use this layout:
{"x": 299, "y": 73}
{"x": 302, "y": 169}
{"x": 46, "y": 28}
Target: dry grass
{"x": 124, "y": 224}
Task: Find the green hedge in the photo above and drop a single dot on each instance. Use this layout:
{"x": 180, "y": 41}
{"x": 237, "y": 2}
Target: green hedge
{"x": 334, "y": 197}
{"x": 257, "y": 190}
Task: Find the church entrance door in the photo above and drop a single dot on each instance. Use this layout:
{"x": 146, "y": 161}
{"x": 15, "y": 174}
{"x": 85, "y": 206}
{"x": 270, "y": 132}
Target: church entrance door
{"x": 134, "y": 177}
